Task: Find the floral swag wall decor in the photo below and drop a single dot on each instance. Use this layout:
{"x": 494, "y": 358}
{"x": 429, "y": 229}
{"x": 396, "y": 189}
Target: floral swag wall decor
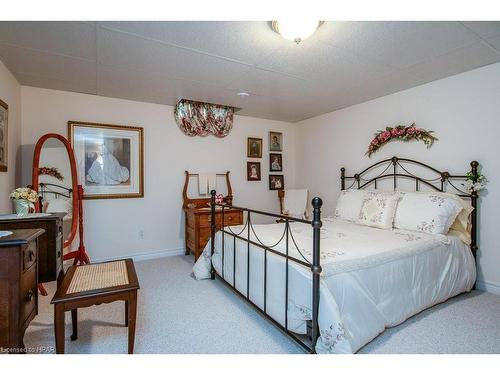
{"x": 400, "y": 133}
{"x": 202, "y": 119}
{"x": 51, "y": 171}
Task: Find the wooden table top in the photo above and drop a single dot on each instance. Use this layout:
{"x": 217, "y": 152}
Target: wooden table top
{"x": 20, "y": 237}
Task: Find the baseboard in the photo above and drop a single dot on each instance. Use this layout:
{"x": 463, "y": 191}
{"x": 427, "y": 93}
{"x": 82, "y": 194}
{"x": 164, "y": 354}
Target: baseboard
{"x": 145, "y": 256}
{"x": 488, "y": 287}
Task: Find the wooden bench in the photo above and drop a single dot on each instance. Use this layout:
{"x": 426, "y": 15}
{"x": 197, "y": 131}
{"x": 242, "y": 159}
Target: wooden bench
{"x": 93, "y": 284}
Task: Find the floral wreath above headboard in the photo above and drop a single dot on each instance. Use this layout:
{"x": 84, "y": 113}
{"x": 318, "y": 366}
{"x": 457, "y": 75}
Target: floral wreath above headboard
{"x": 203, "y": 119}
{"x": 400, "y": 133}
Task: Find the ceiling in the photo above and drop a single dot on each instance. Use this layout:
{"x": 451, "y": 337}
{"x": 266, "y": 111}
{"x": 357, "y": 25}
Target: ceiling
{"x": 344, "y": 63}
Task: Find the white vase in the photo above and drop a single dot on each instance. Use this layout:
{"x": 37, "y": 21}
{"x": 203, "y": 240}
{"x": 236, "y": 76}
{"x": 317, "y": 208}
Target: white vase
{"x": 23, "y": 206}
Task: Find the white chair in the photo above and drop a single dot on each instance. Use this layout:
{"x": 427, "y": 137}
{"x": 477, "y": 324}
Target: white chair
{"x": 293, "y": 202}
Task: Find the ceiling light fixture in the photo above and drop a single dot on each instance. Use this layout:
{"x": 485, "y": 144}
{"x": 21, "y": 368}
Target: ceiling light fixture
{"x": 297, "y": 30}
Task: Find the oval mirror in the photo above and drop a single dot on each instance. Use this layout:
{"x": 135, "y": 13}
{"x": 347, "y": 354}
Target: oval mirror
{"x": 54, "y": 178}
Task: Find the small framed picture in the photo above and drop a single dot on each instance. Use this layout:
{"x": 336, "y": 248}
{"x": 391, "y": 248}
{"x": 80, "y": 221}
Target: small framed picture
{"x": 275, "y": 162}
{"x": 254, "y": 147}
{"x": 275, "y": 141}
{"x": 276, "y": 182}
{"x": 253, "y": 171}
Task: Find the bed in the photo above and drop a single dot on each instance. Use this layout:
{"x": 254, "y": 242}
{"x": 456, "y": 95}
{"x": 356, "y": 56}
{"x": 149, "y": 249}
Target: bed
{"x": 55, "y": 198}
{"x": 337, "y": 286}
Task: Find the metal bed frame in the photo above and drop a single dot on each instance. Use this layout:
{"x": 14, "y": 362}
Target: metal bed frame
{"x": 48, "y": 188}
{"x": 398, "y": 171}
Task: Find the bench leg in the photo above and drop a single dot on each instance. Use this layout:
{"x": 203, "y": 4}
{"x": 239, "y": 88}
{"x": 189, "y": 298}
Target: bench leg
{"x": 126, "y": 313}
{"x": 59, "y": 327}
{"x": 74, "y": 322}
{"x": 132, "y": 311}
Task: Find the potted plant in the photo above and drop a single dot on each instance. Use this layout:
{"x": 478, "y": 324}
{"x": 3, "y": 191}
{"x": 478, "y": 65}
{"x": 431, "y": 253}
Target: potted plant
{"x": 24, "y": 200}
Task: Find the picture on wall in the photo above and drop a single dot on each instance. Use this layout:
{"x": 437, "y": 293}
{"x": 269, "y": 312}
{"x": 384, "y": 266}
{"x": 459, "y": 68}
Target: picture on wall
{"x": 4, "y": 109}
{"x": 254, "y": 147}
{"x": 275, "y": 141}
{"x": 276, "y": 182}
{"x": 253, "y": 171}
{"x": 275, "y": 162}
{"x": 109, "y": 159}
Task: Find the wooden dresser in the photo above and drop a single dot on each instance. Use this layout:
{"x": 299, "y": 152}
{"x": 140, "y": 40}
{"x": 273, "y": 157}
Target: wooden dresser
{"x": 18, "y": 286}
{"x": 50, "y": 244}
{"x": 198, "y": 226}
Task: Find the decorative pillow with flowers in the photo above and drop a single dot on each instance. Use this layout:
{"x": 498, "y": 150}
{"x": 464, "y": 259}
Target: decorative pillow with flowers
{"x": 378, "y": 210}
{"x": 349, "y": 204}
{"x": 427, "y": 212}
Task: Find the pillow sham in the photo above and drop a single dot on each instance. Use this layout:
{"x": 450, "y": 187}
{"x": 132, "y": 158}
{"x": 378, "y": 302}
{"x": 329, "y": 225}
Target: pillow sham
{"x": 349, "y": 204}
{"x": 378, "y": 210}
{"x": 59, "y": 205}
{"x": 427, "y": 212}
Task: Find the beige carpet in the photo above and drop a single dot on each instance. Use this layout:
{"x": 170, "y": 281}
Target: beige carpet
{"x": 177, "y": 314}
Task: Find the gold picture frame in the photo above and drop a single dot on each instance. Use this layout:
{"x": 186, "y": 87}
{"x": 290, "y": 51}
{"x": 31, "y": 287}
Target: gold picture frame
{"x": 4, "y": 136}
{"x": 254, "y": 147}
{"x": 110, "y": 159}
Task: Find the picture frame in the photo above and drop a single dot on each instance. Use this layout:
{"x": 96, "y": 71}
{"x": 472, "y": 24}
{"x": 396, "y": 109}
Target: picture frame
{"x": 275, "y": 141}
{"x": 276, "y": 182}
{"x": 254, "y": 147}
{"x": 110, "y": 159}
{"x": 4, "y": 135}
{"x": 253, "y": 171}
{"x": 275, "y": 162}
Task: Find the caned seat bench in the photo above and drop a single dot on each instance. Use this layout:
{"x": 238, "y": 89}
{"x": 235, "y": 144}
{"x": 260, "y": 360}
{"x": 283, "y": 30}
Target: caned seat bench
{"x": 93, "y": 284}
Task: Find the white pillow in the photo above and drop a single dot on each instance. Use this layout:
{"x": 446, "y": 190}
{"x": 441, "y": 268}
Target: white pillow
{"x": 349, "y": 204}
{"x": 378, "y": 210}
{"x": 426, "y": 212}
{"x": 59, "y": 205}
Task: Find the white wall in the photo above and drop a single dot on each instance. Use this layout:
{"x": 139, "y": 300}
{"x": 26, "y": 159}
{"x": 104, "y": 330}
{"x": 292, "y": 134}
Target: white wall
{"x": 464, "y": 110}
{"x": 10, "y": 93}
{"x": 112, "y": 225}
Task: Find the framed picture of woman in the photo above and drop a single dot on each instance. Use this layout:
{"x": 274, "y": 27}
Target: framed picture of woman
{"x": 275, "y": 162}
{"x": 253, "y": 171}
{"x": 276, "y": 182}
{"x": 275, "y": 141}
{"x": 109, "y": 159}
{"x": 254, "y": 147}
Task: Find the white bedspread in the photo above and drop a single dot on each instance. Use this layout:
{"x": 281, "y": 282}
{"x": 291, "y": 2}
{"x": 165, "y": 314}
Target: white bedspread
{"x": 371, "y": 279}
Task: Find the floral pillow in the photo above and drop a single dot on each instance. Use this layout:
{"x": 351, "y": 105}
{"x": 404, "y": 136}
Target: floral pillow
{"x": 429, "y": 213}
{"x": 349, "y": 204}
{"x": 378, "y": 210}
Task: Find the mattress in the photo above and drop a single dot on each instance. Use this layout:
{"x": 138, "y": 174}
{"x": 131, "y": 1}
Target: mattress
{"x": 372, "y": 278}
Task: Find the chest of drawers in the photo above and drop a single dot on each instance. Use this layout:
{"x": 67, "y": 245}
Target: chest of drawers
{"x": 18, "y": 285}
{"x": 197, "y": 226}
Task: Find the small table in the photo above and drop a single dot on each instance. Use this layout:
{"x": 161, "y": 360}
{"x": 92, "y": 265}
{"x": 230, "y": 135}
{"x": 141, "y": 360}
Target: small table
{"x": 93, "y": 284}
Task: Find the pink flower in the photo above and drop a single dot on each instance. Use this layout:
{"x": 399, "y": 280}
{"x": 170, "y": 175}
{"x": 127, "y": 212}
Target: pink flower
{"x": 411, "y": 130}
{"x": 374, "y": 142}
{"x": 394, "y": 132}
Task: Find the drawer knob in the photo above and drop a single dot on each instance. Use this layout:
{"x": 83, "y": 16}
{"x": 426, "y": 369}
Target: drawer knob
{"x": 31, "y": 295}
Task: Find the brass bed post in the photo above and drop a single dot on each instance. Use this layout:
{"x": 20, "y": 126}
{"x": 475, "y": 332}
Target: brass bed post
{"x": 316, "y": 268}
{"x": 212, "y": 233}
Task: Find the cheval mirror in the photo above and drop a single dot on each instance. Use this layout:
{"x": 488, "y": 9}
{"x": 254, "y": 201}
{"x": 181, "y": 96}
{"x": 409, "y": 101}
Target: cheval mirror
{"x": 55, "y": 179}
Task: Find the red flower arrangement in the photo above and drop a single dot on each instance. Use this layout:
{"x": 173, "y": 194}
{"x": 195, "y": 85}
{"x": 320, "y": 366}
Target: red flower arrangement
{"x": 400, "y": 133}
{"x": 51, "y": 171}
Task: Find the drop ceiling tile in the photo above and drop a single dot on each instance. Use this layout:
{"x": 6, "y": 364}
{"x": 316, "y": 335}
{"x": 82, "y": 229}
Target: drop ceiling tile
{"x": 69, "y": 38}
{"x": 455, "y": 62}
{"x": 82, "y": 86}
{"x": 239, "y": 40}
{"x": 484, "y": 28}
{"x": 145, "y": 86}
{"x": 495, "y": 42}
{"x": 316, "y": 61}
{"x": 398, "y": 44}
{"x": 46, "y": 65}
{"x": 125, "y": 51}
